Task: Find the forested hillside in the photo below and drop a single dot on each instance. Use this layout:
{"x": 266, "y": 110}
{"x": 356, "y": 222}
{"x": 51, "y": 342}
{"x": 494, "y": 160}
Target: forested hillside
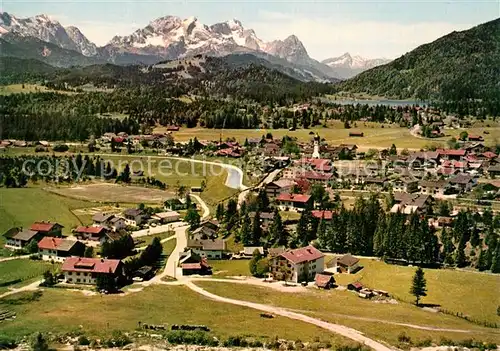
{"x": 460, "y": 65}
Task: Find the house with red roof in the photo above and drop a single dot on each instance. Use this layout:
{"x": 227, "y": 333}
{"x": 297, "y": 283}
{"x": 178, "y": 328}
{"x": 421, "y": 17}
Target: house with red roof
{"x": 297, "y": 265}
{"x": 58, "y": 249}
{"x": 47, "y": 228}
{"x": 83, "y": 270}
{"x": 91, "y": 233}
{"x": 452, "y": 154}
{"x": 293, "y": 202}
{"x": 322, "y": 214}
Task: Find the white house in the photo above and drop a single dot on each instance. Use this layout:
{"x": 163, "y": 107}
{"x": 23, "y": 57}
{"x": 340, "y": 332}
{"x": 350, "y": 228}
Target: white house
{"x": 58, "y": 249}
{"x": 209, "y": 248}
{"x": 298, "y": 265}
{"x": 79, "y": 270}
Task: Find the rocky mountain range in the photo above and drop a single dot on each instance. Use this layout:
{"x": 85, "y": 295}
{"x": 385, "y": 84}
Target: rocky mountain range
{"x": 347, "y": 66}
{"x": 166, "y": 38}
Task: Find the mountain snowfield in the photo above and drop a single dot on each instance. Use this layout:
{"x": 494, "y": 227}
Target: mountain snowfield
{"x": 171, "y": 37}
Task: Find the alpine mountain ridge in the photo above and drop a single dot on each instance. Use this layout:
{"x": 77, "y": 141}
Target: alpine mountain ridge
{"x": 165, "y": 38}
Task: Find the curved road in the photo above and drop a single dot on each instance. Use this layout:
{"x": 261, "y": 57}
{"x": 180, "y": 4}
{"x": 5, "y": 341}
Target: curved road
{"x": 335, "y": 328}
{"x": 234, "y": 178}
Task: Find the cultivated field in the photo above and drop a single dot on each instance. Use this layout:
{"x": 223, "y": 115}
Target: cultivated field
{"x": 62, "y": 311}
{"x": 374, "y": 135}
{"x": 114, "y": 193}
{"x": 377, "y": 320}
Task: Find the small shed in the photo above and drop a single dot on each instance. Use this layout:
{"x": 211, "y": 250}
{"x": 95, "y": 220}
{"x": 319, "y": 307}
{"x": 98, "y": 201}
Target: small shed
{"x": 356, "y": 286}
{"x": 324, "y": 280}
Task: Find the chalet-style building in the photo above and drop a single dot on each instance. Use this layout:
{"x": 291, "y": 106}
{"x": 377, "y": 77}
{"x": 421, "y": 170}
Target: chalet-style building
{"x": 405, "y": 185}
{"x": 209, "y": 248}
{"x": 297, "y": 265}
{"x": 167, "y": 217}
{"x": 92, "y": 233}
{"x": 324, "y": 280}
{"x": 293, "y": 202}
{"x": 17, "y": 238}
{"x": 58, "y": 249}
{"x": 326, "y": 215}
{"x": 191, "y": 263}
{"x": 345, "y": 264}
{"x": 462, "y": 182}
{"x": 109, "y": 221}
{"x": 80, "y": 270}
{"x": 280, "y": 186}
{"x": 435, "y": 188}
{"x": 134, "y": 216}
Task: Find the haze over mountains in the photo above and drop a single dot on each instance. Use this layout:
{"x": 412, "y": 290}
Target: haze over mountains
{"x": 166, "y": 38}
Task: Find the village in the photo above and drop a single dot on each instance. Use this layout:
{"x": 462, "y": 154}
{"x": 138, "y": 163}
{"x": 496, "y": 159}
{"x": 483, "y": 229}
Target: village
{"x": 302, "y": 216}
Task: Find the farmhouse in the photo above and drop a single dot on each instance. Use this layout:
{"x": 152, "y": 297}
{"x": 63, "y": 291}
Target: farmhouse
{"x": 167, "y": 217}
{"x": 248, "y": 251}
{"x": 434, "y": 188}
{"x": 94, "y": 233}
{"x": 17, "y": 238}
{"x": 322, "y": 214}
{"x": 209, "y": 248}
{"x": 297, "y": 265}
{"x": 58, "y": 249}
{"x": 79, "y": 270}
{"x": 463, "y": 182}
{"x": 345, "y": 264}
{"x": 47, "y": 228}
{"x": 277, "y": 187}
{"x": 293, "y": 202}
{"x": 133, "y": 216}
{"x": 20, "y": 238}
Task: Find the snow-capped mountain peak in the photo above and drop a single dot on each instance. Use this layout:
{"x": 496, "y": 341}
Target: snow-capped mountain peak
{"x": 352, "y": 65}
{"x": 47, "y": 29}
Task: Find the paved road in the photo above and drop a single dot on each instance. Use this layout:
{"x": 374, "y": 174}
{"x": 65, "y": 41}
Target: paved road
{"x": 268, "y": 179}
{"x": 335, "y": 328}
{"x": 206, "y": 209}
{"x": 234, "y": 178}
{"x": 156, "y": 230}
{"x": 161, "y": 241}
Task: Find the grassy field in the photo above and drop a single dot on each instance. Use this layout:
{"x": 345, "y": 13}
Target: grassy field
{"x": 179, "y": 172}
{"x": 62, "y": 311}
{"x": 26, "y": 88}
{"x": 472, "y": 294}
{"x": 225, "y": 268}
{"x": 374, "y": 135}
{"x": 21, "y": 207}
{"x": 344, "y": 307}
{"x": 23, "y": 269}
{"x": 116, "y": 193}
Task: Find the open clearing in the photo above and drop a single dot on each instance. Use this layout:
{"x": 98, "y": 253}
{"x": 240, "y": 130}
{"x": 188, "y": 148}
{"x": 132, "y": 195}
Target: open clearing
{"x": 23, "y": 206}
{"x": 374, "y": 135}
{"x": 61, "y": 311}
{"x": 114, "y": 193}
{"x": 377, "y": 320}
{"x": 23, "y": 270}
{"x": 473, "y": 294}
{"x": 27, "y": 88}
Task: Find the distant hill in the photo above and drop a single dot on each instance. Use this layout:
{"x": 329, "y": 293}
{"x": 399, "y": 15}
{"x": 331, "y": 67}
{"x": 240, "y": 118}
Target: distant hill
{"x": 459, "y": 65}
{"x": 16, "y": 70}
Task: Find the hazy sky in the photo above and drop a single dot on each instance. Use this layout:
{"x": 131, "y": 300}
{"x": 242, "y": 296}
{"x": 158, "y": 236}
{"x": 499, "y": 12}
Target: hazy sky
{"x": 383, "y": 28}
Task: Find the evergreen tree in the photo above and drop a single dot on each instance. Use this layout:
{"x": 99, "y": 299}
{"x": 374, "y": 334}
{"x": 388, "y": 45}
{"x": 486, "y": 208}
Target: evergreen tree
{"x": 418, "y": 288}
{"x": 277, "y": 230}
{"x": 244, "y": 233}
{"x": 192, "y": 218}
{"x": 474, "y": 238}
{"x": 460, "y": 259}
{"x": 304, "y": 228}
{"x": 256, "y": 229}
{"x": 262, "y": 200}
{"x": 448, "y": 247}
{"x": 39, "y": 343}
{"x": 321, "y": 232}
{"x": 481, "y": 263}
{"x": 219, "y": 211}
{"x": 495, "y": 263}
{"x": 378, "y": 238}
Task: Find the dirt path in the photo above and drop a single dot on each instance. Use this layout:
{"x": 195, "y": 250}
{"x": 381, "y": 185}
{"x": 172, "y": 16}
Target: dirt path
{"x": 30, "y": 287}
{"x": 4, "y": 259}
{"x": 335, "y": 328}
